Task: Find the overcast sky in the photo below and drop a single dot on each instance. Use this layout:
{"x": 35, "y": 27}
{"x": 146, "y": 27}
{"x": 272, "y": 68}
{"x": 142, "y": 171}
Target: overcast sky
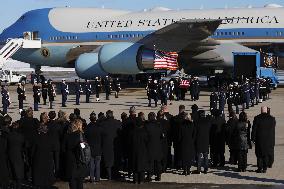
{"x": 11, "y": 10}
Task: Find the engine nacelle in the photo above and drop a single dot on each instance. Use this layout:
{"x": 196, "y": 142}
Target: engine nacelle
{"x": 115, "y": 58}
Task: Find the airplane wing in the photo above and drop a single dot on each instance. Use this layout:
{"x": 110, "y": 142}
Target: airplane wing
{"x": 183, "y": 34}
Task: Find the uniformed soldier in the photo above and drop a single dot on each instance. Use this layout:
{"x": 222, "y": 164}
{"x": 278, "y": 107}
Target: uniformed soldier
{"x": 256, "y": 88}
{"x": 230, "y": 98}
{"x": 237, "y": 97}
{"x": 78, "y": 91}
{"x": 21, "y": 96}
{"x": 37, "y": 95}
{"x": 252, "y": 93}
{"x": 44, "y": 90}
{"x": 51, "y": 93}
{"x": 222, "y": 100}
{"x": 97, "y": 88}
{"x": 213, "y": 101}
{"x": 152, "y": 91}
{"x": 64, "y": 92}
{"x": 5, "y": 99}
{"x": 88, "y": 90}
{"x": 171, "y": 91}
{"x": 246, "y": 92}
{"x": 194, "y": 89}
{"x": 107, "y": 86}
{"x": 164, "y": 93}
{"x": 117, "y": 87}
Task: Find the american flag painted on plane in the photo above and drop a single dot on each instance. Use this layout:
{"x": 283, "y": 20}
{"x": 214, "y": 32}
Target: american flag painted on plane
{"x": 166, "y": 60}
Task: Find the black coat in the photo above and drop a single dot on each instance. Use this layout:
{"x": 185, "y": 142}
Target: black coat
{"x": 29, "y": 128}
{"x": 231, "y": 137}
{"x": 242, "y": 136}
{"x": 203, "y": 126}
{"x": 93, "y": 136}
{"x": 4, "y": 170}
{"x": 263, "y": 134}
{"x": 73, "y": 167}
{"x": 166, "y": 140}
{"x": 217, "y": 135}
{"x": 138, "y": 147}
{"x": 155, "y": 135}
{"x": 56, "y": 132}
{"x": 110, "y": 128}
{"x": 43, "y": 166}
{"x": 16, "y": 148}
{"x": 187, "y": 139}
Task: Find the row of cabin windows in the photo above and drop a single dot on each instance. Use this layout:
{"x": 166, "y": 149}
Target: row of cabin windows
{"x": 63, "y": 38}
{"x": 125, "y": 36}
{"x": 229, "y": 33}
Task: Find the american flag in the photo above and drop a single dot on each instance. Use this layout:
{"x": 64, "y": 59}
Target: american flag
{"x": 165, "y": 60}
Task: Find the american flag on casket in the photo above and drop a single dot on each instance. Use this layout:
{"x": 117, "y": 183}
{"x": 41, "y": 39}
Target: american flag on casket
{"x": 165, "y": 60}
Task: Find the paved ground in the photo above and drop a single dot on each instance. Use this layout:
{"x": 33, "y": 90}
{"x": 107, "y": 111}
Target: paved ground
{"x": 216, "y": 178}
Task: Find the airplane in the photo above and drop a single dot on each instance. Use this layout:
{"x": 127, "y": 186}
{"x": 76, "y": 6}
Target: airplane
{"x": 98, "y": 41}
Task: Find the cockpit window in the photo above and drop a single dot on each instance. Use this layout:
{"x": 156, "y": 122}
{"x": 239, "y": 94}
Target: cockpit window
{"x": 22, "y": 17}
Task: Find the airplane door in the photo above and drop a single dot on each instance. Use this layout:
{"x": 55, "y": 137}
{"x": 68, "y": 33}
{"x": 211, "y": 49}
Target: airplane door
{"x": 35, "y": 35}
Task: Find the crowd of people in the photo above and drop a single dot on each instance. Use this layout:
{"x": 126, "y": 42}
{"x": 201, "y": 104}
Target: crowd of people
{"x": 39, "y": 152}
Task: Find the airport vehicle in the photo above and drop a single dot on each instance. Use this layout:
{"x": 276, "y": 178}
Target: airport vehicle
{"x": 252, "y": 65}
{"x": 12, "y": 77}
{"x": 99, "y": 41}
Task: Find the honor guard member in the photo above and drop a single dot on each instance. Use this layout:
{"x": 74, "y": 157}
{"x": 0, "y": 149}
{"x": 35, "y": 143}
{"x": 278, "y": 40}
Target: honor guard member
{"x": 237, "y": 97}
{"x": 64, "y": 92}
{"x": 44, "y": 90}
{"x": 97, "y": 88}
{"x": 21, "y": 96}
{"x": 51, "y": 93}
{"x": 252, "y": 93}
{"x": 107, "y": 85}
{"x": 78, "y": 91}
{"x": 230, "y": 98}
{"x": 256, "y": 89}
{"x": 246, "y": 92}
{"x": 117, "y": 87}
{"x": 5, "y": 99}
{"x": 213, "y": 101}
{"x": 164, "y": 93}
{"x": 194, "y": 89}
{"x": 171, "y": 91}
{"x": 37, "y": 94}
{"x": 148, "y": 89}
{"x": 222, "y": 100}
{"x": 88, "y": 90}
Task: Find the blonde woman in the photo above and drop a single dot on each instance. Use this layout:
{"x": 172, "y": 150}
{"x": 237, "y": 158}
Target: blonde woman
{"x": 75, "y": 171}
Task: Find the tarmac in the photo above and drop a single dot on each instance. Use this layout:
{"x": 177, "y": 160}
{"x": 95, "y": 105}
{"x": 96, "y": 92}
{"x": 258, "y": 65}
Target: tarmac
{"x": 216, "y": 178}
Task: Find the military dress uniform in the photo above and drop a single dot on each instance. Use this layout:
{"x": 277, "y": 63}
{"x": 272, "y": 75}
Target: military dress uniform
{"x": 152, "y": 92}
{"x": 44, "y": 90}
{"x": 246, "y": 92}
{"x": 256, "y": 88}
{"x": 237, "y": 98}
{"x": 36, "y": 95}
{"x": 171, "y": 91}
{"x": 222, "y": 101}
{"x": 213, "y": 101}
{"x": 5, "y": 99}
{"x": 97, "y": 89}
{"x": 51, "y": 94}
{"x": 21, "y": 96}
{"x": 78, "y": 91}
{"x": 88, "y": 90}
{"x": 64, "y": 93}
{"x": 164, "y": 93}
{"x": 252, "y": 94}
{"x": 107, "y": 86}
{"x": 230, "y": 98}
{"x": 117, "y": 87}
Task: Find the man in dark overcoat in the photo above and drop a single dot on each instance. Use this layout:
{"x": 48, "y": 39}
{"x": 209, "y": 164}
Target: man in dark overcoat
{"x": 263, "y": 135}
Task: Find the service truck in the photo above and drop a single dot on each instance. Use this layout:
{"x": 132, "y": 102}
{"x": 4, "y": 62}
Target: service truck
{"x": 11, "y": 77}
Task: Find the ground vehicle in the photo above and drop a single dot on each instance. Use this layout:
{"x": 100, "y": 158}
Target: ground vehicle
{"x": 253, "y": 65}
{"x": 11, "y": 77}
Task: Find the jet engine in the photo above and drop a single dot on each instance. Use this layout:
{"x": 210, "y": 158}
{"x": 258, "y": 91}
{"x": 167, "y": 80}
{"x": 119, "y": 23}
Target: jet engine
{"x": 115, "y": 58}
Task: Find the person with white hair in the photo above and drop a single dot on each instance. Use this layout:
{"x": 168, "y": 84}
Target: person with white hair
{"x": 263, "y": 135}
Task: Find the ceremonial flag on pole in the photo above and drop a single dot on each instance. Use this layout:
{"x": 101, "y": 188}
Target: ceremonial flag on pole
{"x": 165, "y": 60}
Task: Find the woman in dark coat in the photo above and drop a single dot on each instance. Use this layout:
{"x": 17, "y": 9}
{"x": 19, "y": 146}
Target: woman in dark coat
{"x": 187, "y": 137}
{"x": 42, "y": 154}
{"x": 139, "y": 156}
{"x": 75, "y": 171}
{"x": 242, "y": 135}
{"x": 16, "y": 148}
{"x": 4, "y": 170}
